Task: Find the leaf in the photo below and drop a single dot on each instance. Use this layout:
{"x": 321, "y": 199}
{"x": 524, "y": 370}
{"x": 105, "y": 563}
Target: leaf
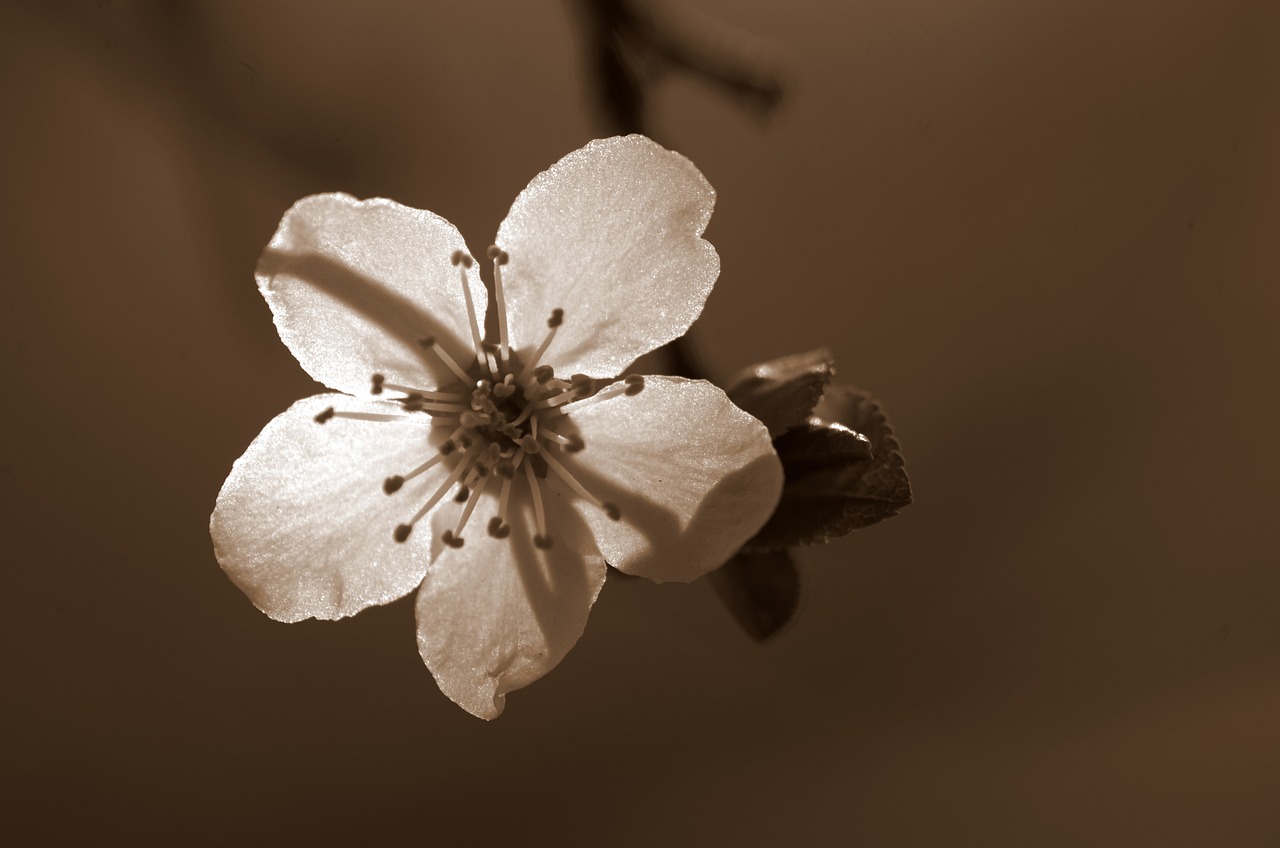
{"x": 783, "y": 392}
{"x": 761, "y": 590}
{"x": 829, "y": 490}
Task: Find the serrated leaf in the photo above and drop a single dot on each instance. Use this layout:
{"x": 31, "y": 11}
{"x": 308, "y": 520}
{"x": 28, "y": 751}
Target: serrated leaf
{"x": 783, "y": 392}
{"x": 822, "y": 500}
{"x": 819, "y": 445}
{"x": 762, "y": 591}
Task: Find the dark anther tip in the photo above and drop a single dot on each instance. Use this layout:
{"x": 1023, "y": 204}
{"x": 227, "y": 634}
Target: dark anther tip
{"x": 451, "y": 540}
{"x": 427, "y": 341}
{"x": 402, "y": 532}
{"x": 556, "y": 319}
{"x": 575, "y": 444}
{"x": 462, "y": 495}
{"x": 542, "y": 542}
{"x": 448, "y": 447}
{"x": 392, "y": 484}
{"x": 611, "y": 510}
{"x": 635, "y": 384}
{"x": 497, "y": 529}
{"x": 377, "y": 381}
{"x": 325, "y": 416}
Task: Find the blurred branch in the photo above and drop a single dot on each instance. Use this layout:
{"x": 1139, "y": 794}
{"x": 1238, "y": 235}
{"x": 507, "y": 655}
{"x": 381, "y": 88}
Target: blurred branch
{"x": 632, "y": 43}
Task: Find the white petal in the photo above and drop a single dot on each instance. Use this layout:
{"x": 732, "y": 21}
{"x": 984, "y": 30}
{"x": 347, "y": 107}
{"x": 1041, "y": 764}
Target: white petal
{"x": 354, "y": 284}
{"x": 302, "y": 524}
{"x": 611, "y": 234}
{"x": 497, "y": 614}
{"x": 694, "y": 476}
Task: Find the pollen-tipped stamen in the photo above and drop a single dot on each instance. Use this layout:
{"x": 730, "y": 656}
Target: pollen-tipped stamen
{"x": 356, "y": 416}
{"x": 462, "y": 261}
{"x": 393, "y": 483}
{"x": 572, "y": 444}
{"x": 540, "y": 539}
{"x": 498, "y": 526}
{"x": 468, "y": 509}
{"x": 402, "y": 531}
{"x": 429, "y": 342}
{"x": 422, "y": 394}
{"x": 499, "y": 257}
{"x": 611, "y": 509}
{"x": 553, "y": 323}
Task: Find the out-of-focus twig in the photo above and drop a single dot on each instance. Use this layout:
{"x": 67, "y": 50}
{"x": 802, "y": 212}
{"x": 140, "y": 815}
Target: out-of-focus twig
{"x": 631, "y": 43}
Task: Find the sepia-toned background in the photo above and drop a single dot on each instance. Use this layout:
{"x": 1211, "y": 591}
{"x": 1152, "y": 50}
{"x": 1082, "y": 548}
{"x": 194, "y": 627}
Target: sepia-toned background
{"x": 1044, "y": 234}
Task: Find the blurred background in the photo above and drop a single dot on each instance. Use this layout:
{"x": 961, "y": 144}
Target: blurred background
{"x": 1043, "y": 234}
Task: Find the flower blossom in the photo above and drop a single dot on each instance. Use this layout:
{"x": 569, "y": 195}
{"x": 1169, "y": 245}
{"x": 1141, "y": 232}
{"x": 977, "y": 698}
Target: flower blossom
{"x": 498, "y": 472}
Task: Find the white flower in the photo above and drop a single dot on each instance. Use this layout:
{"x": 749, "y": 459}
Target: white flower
{"x": 499, "y": 477}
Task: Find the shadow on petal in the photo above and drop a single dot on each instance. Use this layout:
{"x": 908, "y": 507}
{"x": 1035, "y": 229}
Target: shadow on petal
{"x": 394, "y": 314}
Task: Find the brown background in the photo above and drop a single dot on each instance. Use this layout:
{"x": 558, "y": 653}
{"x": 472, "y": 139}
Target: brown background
{"x": 1043, "y": 233}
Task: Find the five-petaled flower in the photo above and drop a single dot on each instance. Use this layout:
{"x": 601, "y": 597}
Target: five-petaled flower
{"x": 498, "y": 476}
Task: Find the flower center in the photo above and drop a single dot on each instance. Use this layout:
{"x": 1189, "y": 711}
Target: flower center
{"x": 506, "y": 418}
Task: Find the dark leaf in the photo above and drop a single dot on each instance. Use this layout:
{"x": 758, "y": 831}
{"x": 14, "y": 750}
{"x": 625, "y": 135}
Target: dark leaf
{"x": 761, "y": 590}
{"x": 818, "y": 445}
{"x": 825, "y": 499}
{"x": 783, "y": 392}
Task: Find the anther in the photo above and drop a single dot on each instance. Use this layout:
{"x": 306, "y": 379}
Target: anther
{"x": 611, "y": 510}
{"x": 543, "y": 373}
{"x": 506, "y": 468}
{"x": 506, "y": 388}
{"x": 497, "y": 529}
{"x": 451, "y": 540}
{"x": 497, "y": 253}
{"x": 392, "y": 484}
{"x": 574, "y": 444}
{"x": 376, "y": 388}
{"x": 542, "y": 542}
{"x": 448, "y": 447}
{"x": 530, "y": 445}
{"x": 325, "y": 416}
{"x": 402, "y": 532}
{"x": 635, "y": 384}
{"x": 463, "y": 494}
{"x": 460, "y": 258}
{"x": 556, "y": 319}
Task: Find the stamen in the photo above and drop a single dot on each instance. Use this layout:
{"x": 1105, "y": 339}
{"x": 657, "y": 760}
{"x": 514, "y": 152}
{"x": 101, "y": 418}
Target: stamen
{"x": 506, "y": 388}
{"x": 498, "y": 526}
{"x": 393, "y": 483}
{"x": 357, "y": 416}
{"x": 402, "y": 531}
{"x": 466, "y": 514}
{"x": 499, "y": 257}
{"x": 626, "y": 387}
{"x": 540, "y": 539}
{"x": 611, "y": 509}
{"x": 421, "y": 394}
{"x": 429, "y": 342}
{"x": 463, "y": 262}
{"x": 554, "y": 322}
{"x": 572, "y": 444}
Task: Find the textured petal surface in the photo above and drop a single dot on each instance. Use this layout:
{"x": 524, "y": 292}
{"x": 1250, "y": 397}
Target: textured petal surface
{"x": 497, "y": 614}
{"x": 611, "y": 234}
{"x": 302, "y": 525}
{"x": 354, "y": 284}
{"x": 693, "y": 475}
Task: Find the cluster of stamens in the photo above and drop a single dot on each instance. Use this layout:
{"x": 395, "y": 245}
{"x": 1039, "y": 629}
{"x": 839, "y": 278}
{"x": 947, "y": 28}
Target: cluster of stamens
{"x": 507, "y": 421}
